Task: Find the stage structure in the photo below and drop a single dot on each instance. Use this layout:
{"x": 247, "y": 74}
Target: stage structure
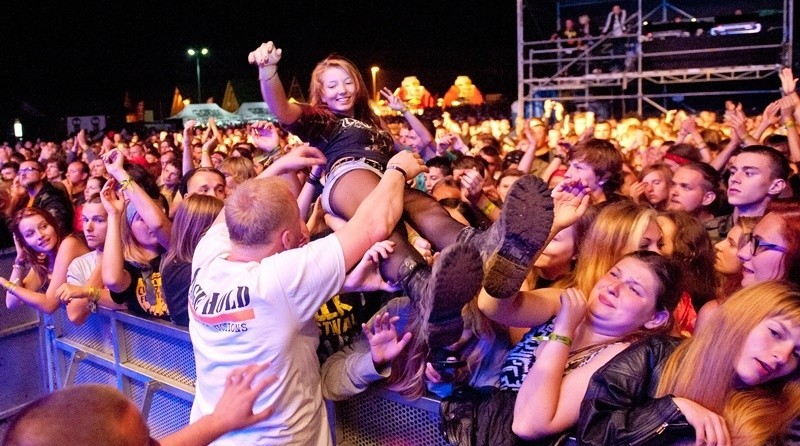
{"x": 668, "y": 50}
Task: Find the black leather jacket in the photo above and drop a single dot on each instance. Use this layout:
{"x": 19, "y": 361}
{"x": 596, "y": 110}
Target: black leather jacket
{"x": 619, "y": 407}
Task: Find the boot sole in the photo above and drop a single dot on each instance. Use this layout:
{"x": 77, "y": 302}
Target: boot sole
{"x": 456, "y": 279}
{"x": 525, "y": 223}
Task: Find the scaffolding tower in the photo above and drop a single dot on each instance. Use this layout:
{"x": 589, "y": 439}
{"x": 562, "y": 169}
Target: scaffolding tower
{"x": 658, "y": 52}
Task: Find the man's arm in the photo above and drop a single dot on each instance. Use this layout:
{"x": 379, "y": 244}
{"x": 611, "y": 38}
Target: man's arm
{"x": 233, "y": 411}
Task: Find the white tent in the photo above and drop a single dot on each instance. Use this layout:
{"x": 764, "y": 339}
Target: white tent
{"x": 255, "y": 111}
{"x": 201, "y": 113}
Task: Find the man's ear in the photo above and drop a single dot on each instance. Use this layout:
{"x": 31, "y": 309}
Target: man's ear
{"x": 777, "y": 186}
{"x": 659, "y": 319}
{"x": 708, "y": 198}
{"x": 286, "y": 240}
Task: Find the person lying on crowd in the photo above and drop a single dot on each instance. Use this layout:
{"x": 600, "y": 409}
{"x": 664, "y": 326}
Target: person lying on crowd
{"x": 337, "y": 118}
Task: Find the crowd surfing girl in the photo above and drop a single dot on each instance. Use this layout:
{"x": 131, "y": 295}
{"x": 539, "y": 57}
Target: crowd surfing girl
{"x": 38, "y": 243}
{"x": 339, "y": 122}
{"x": 735, "y": 382}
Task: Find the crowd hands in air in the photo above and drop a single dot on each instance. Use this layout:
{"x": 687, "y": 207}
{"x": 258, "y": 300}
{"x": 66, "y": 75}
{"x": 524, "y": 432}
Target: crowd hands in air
{"x": 549, "y": 264}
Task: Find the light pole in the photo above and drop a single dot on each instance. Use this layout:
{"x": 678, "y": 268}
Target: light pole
{"x": 196, "y": 55}
{"x": 374, "y": 70}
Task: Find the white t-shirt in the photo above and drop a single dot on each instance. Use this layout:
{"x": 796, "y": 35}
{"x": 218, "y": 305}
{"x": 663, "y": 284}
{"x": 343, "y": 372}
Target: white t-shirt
{"x": 80, "y": 269}
{"x": 243, "y": 313}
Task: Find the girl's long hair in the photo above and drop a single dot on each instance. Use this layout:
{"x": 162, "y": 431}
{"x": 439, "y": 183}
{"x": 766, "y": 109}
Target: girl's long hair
{"x": 362, "y": 110}
{"x": 702, "y": 368}
{"x": 616, "y": 231}
{"x": 194, "y": 216}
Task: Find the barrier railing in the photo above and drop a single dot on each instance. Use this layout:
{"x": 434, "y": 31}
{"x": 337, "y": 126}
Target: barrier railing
{"x": 152, "y": 362}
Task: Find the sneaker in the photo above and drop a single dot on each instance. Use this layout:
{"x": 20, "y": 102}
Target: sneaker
{"x": 511, "y": 244}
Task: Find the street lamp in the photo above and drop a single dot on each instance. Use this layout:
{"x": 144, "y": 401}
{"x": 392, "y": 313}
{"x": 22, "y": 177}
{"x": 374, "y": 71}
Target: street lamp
{"x": 374, "y": 70}
{"x": 196, "y": 55}
{"x": 17, "y": 129}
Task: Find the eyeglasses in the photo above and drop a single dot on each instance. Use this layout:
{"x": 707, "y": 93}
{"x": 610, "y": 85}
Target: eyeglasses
{"x": 758, "y": 245}
{"x": 29, "y": 170}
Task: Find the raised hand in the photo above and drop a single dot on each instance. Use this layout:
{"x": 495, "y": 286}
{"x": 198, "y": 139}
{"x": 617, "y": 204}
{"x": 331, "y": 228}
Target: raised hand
{"x": 265, "y": 55}
{"x": 571, "y": 199}
{"x": 114, "y": 161}
{"x": 770, "y": 115}
{"x": 423, "y": 247}
{"x": 299, "y": 158}
{"x": 573, "y": 310}
{"x": 393, "y": 101}
{"x": 788, "y": 81}
{"x": 472, "y": 185}
{"x": 265, "y": 135}
{"x": 112, "y": 202}
{"x": 366, "y": 275}
{"x": 384, "y": 344}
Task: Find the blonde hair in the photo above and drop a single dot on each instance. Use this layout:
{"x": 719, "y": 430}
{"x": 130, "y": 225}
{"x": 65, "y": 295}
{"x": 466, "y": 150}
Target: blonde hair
{"x": 486, "y": 335}
{"x": 617, "y": 230}
{"x": 257, "y": 209}
{"x": 408, "y": 369}
{"x": 132, "y": 250}
{"x": 702, "y": 368}
{"x": 239, "y": 168}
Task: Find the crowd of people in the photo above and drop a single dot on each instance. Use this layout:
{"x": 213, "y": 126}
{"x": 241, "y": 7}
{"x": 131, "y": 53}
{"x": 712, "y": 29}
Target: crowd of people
{"x": 634, "y": 280}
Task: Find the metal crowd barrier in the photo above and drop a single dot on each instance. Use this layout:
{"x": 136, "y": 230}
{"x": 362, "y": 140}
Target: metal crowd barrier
{"x": 151, "y": 361}
{"x": 22, "y": 358}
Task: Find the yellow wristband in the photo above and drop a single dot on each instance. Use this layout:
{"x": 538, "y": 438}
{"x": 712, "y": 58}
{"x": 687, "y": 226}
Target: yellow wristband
{"x": 789, "y": 124}
{"x": 124, "y": 184}
{"x": 566, "y": 340}
{"x": 488, "y": 208}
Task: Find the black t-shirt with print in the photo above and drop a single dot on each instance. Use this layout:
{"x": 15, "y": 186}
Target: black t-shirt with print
{"x": 144, "y": 295}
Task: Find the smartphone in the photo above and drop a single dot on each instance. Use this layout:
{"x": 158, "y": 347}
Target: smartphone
{"x": 450, "y": 364}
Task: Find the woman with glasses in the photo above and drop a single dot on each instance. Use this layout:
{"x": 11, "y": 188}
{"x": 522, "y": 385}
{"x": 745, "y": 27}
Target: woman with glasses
{"x": 773, "y": 248}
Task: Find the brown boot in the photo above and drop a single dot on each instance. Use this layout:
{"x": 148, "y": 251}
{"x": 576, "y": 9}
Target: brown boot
{"x": 511, "y": 244}
{"x": 440, "y": 293}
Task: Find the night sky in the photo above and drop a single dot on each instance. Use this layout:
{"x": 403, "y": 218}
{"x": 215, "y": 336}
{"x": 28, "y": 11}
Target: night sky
{"x": 80, "y": 57}
{"x": 67, "y": 58}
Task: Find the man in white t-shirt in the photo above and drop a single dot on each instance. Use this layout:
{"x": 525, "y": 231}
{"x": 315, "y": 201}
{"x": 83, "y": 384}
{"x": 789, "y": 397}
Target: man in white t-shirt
{"x": 256, "y": 286}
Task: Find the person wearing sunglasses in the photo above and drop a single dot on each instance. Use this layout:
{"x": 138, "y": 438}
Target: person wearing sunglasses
{"x": 772, "y": 250}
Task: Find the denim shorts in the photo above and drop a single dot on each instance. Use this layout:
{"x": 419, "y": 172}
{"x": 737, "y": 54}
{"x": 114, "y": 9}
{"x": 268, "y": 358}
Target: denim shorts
{"x": 338, "y": 173}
